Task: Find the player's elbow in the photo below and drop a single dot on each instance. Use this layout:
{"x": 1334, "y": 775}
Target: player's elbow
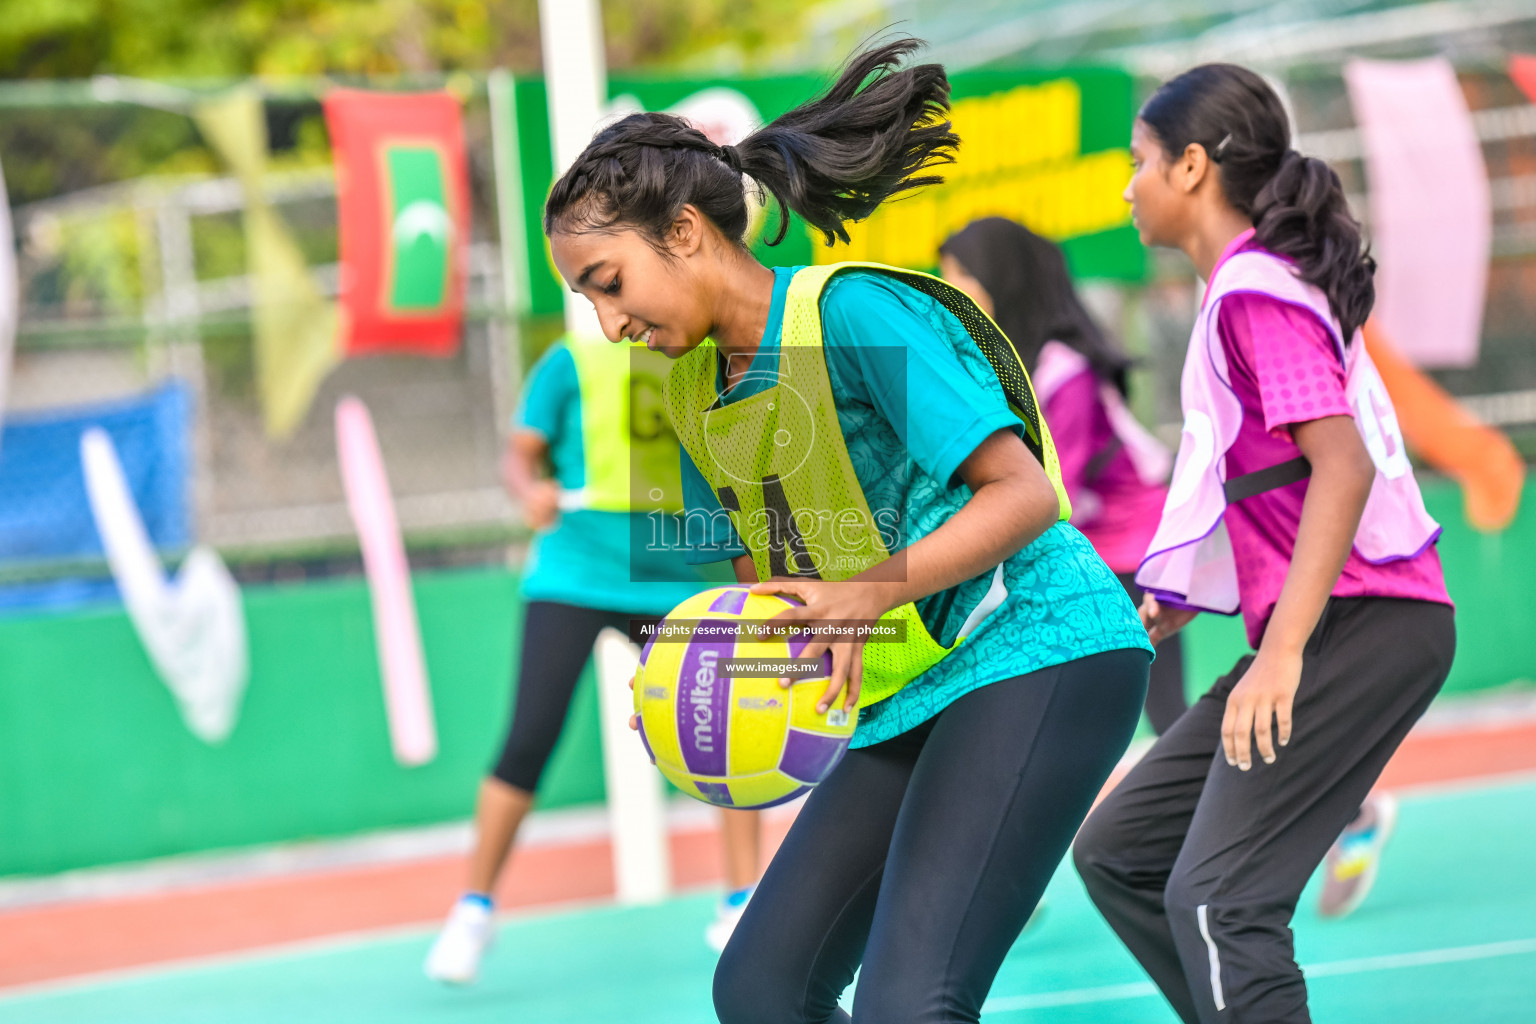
{"x": 1039, "y": 504}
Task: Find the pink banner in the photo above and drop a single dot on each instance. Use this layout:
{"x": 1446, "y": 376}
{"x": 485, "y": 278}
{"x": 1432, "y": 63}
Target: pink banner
{"x": 407, "y": 697}
{"x": 1431, "y": 214}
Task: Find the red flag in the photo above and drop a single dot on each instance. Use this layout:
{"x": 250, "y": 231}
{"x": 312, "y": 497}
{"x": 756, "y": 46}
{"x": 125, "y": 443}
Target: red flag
{"x": 1522, "y": 69}
{"x": 402, "y": 197}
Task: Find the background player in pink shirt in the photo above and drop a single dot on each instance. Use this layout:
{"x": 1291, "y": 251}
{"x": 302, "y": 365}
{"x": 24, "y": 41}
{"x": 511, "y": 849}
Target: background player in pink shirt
{"x": 1292, "y": 501}
{"x": 1114, "y": 471}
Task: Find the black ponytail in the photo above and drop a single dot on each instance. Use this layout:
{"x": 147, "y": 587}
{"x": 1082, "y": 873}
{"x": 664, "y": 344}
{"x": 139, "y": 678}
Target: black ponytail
{"x": 1296, "y": 202}
{"x": 831, "y": 160}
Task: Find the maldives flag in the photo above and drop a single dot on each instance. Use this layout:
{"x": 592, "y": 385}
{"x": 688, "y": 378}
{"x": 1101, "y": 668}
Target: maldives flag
{"x": 402, "y": 197}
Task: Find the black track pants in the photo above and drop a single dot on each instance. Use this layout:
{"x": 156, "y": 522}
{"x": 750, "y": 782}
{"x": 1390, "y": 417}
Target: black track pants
{"x": 557, "y": 640}
{"x": 1198, "y": 866}
{"x": 923, "y": 856}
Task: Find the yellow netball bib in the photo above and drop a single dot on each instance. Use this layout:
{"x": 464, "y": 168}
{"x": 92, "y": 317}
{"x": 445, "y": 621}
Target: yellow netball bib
{"x": 780, "y": 468}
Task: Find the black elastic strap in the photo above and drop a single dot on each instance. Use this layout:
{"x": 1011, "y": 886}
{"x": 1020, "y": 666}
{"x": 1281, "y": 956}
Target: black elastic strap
{"x": 1279, "y": 475}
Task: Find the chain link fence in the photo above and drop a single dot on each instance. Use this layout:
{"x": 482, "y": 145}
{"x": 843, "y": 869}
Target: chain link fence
{"x": 128, "y": 279}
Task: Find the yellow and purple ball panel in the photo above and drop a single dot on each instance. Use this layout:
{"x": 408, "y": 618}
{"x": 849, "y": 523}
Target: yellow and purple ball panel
{"x": 740, "y": 742}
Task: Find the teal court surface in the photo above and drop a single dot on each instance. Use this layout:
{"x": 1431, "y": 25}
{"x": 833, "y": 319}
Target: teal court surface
{"x": 1448, "y": 935}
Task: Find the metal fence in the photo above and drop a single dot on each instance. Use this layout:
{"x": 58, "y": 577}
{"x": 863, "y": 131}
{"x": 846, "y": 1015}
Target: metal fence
{"x": 127, "y": 281}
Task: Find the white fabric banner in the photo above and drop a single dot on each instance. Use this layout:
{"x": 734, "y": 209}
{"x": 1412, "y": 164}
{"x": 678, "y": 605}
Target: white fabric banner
{"x": 193, "y": 628}
{"x": 1431, "y": 211}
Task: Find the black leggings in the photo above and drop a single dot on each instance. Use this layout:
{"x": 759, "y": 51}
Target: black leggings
{"x": 557, "y": 640}
{"x": 1197, "y": 866}
{"x": 922, "y": 857}
{"x": 1165, "y": 690}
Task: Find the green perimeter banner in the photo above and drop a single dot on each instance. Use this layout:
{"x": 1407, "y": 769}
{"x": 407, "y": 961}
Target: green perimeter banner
{"x": 1047, "y": 148}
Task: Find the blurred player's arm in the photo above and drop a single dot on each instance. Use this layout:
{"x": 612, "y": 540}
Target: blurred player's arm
{"x": 525, "y": 473}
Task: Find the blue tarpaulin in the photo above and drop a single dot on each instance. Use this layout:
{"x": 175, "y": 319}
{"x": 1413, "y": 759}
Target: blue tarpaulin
{"x": 45, "y": 515}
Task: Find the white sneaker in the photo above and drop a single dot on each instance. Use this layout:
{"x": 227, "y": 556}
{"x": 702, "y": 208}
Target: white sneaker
{"x": 727, "y": 913}
{"x": 1351, "y": 864}
{"x": 455, "y": 957}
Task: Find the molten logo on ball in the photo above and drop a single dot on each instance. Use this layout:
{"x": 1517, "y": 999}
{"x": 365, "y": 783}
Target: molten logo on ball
{"x": 733, "y": 741}
{"x": 703, "y": 714}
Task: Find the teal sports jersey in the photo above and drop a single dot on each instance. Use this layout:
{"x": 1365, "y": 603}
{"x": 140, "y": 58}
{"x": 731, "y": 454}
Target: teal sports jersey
{"x": 585, "y": 559}
{"x": 915, "y": 397}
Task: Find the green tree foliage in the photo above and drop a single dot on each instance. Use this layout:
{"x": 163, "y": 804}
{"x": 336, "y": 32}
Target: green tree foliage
{"x": 230, "y": 38}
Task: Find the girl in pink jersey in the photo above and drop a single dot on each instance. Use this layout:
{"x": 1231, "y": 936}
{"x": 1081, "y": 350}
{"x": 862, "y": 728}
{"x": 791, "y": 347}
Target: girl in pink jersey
{"x": 1292, "y": 502}
{"x": 1114, "y": 471}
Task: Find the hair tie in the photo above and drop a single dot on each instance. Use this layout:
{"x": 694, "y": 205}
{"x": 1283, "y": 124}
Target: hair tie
{"x": 731, "y": 157}
{"x": 1221, "y": 147}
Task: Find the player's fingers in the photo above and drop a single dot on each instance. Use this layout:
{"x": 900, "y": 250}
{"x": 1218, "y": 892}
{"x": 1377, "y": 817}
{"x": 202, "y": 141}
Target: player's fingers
{"x": 1263, "y": 731}
{"x": 1283, "y": 719}
{"x": 634, "y": 722}
{"x": 835, "y": 683}
{"x": 1229, "y": 732}
{"x": 815, "y": 648}
{"x": 1242, "y": 736}
{"x": 855, "y": 678}
{"x": 780, "y": 585}
{"x": 1148, "y": 610}
{"x": 785, "y": 622}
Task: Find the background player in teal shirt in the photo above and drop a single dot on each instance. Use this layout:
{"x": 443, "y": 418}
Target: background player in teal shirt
{"x": 582, "y": 573}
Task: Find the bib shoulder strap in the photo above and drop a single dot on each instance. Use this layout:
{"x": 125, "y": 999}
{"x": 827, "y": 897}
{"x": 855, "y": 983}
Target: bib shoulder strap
{"x": 1264, "y": 272}
{"x": 802, "y": 316}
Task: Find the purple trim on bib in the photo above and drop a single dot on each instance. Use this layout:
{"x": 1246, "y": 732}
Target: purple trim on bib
{"x": 1168, "y": 597}
{"x": 1401, "y": 558}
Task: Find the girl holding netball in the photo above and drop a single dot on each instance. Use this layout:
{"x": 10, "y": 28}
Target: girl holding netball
{"x": 1293, "y": 502}
{"x": 582, "y": 460}
{"x": 872, "y": 448}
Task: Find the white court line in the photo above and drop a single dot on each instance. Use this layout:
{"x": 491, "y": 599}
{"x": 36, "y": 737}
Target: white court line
{"x": 1359, "y": 965}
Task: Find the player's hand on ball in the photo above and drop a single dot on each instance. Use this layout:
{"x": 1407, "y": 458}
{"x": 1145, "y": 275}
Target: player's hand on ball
{"x": 634, "y": 720}
{"x": 824, "y": 604}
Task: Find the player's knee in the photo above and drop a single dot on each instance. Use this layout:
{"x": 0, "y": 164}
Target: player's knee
{"x": 737, "y": 997}
{"x": 1092, "y": 848}
{"x": 1183, "y": 895}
